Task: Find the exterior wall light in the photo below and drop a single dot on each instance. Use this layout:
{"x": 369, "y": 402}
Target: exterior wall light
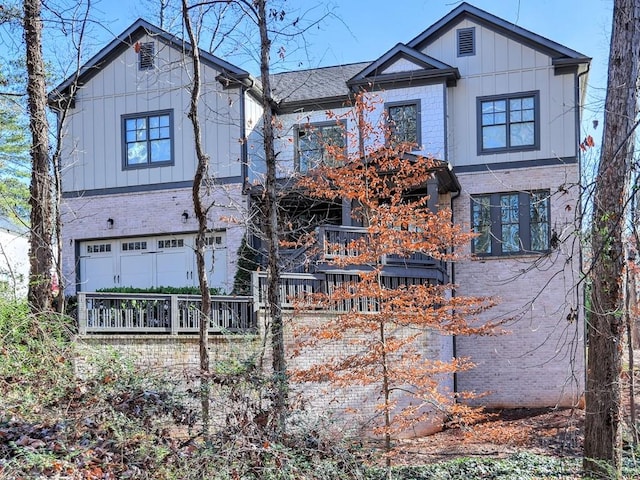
{"x": 109, "y": 223}
{"x": 185, "y": 216}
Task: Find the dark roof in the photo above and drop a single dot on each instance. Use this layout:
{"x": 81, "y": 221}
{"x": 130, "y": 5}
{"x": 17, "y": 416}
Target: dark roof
{"x": 315, "y": 85}
{"x": 561, "y": 54}
{"x": 125, "y": 40}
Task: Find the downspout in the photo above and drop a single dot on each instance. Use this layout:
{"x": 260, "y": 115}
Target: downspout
{"x": 244, "y": 160}
{"x": 453, "y": 294}
{"x": 453, "y": 197}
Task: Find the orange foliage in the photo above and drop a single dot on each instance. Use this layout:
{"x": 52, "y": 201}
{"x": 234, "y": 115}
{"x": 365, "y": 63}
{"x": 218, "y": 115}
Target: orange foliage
{"x": 384, "y": 331}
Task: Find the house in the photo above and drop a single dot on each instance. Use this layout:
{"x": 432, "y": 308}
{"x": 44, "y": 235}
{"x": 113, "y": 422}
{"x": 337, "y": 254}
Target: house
{"x": 498, "y": 106}
{"x": 14, "y": 259}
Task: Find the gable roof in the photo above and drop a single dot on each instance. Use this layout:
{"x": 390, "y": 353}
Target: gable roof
{"x": 561, "y": 55}
{"x": 324, "y": 87}
{"x": 426, "y": 69}
{"x": 125, "y": 40}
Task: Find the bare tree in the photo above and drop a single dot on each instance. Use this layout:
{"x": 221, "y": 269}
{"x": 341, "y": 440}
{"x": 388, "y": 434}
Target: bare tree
{"x": 75, "y": 26}
{"x": 199, "y": 180}
{"x": 603, "y": 436}
{"x": 41, "y": 254}
{"x": 274, "y": 302}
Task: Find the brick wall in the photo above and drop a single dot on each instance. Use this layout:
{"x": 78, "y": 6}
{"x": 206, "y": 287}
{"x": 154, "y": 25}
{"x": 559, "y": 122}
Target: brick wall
{"x": 540, "y": 362}
{"x": 148, "y": 213}
{"x": 351, "y": 408}
{"x": 171, "y": 353}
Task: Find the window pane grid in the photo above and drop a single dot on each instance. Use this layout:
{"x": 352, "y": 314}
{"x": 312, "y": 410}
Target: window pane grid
{"x": 148, "y": 139}
{"x": 509, "y": 218}
{"x": 313, "y": 142}
{"x": 404, "y": 123}
{"x": 508, "y": 123}
{"x": 539, "y": 221}
{"x": 482, "y": 224}
{"x": 510, "y": 223}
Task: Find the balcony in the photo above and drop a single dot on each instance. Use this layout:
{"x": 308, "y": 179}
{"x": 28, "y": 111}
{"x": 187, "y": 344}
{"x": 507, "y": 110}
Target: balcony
{"x": 311, "y": 270}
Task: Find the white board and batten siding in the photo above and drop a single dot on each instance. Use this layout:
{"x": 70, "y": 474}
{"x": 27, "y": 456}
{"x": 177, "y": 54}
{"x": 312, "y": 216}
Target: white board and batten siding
{"x": 503, "y": 65}
{"x": 93, "y": 153}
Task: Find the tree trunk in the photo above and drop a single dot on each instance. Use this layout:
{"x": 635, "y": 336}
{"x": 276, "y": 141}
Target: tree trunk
{"x": 274, "y": 308}
{"x": 41, "y": 254}
{"x": 386, "y": 392}
{"x": 201, "y": 216}
{"x": 603, "y": 439}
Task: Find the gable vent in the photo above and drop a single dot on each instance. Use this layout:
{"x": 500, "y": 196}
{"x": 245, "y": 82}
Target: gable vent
{"x": 145, "y": 56}
{"x": 466, "y": 42}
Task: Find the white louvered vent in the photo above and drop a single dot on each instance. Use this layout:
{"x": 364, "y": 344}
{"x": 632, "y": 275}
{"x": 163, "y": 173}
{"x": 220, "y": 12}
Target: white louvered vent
{"x": 145, "y": 56}
{"x": 466, "y": 42}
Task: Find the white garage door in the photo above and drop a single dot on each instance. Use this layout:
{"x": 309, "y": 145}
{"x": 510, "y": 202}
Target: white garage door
{"x": 167, "y": 261}
{"x": 97, "y": 266}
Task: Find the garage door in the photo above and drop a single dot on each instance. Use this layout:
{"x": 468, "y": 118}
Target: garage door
{"x": 167, "y": 261}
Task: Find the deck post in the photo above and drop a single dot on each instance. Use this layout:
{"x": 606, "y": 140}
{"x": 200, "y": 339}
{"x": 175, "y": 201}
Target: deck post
{"x": 82, "y": 313}
{"x": 174, "y": 317}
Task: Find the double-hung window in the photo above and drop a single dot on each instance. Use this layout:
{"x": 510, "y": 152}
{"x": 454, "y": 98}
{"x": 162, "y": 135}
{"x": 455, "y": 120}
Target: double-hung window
{"x": 509, "y": 123}
{"x": 404, "y": 122}
{"x": 320, "y": 144}
{"x": 147, "y": 139}
{"x": 510, "y": 223}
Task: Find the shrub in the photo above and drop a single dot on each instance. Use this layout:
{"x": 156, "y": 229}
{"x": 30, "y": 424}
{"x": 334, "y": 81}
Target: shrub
{"x": 160, "y": 290}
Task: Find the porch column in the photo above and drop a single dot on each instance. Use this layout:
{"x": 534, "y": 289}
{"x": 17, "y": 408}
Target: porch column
{"x": 432, "y": 191}
{"x": 346, "y": 213}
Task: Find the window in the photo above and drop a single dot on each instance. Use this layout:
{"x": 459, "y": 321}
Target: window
{"x": 130, "y": 246}
{"x": 100, "y": 248}
{"x": 510, "y": 223}
{"x": 173, "y": 243}
{"x": 466, "y": 41}
{"x": 213, "y": 241}
{"x": 147, "y": 139}
{"x": 403, "y": 122}
{"x": 508, "y": 123}
{"x": 145, "y": 56}
{"x": 312, "y": 142}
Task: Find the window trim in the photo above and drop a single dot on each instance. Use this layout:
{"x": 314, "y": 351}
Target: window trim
{"x": 509, "y": 96}
{"x": 123, "y": 135}
{"x": 524, "y": 223}
{"x": 314, "y": 125}
{"x": 459, "y": 31}
{"x": 406, "y": 103}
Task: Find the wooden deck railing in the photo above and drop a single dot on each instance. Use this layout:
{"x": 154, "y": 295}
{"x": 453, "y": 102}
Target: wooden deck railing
{"x": 339, "y": 241}
{"x": 294, "y": 288}
{"x": 158, "y": 313}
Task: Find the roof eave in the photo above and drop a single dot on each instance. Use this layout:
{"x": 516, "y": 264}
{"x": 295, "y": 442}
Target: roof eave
{"x": 136, "y": 30}
{"x": 464, "y": 10}
{"x": 450, "y": 76}
{"x": 337, "y": 101}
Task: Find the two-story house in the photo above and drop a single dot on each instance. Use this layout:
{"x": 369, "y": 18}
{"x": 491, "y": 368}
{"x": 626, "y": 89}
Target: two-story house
{"x": 497, "y": 105}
